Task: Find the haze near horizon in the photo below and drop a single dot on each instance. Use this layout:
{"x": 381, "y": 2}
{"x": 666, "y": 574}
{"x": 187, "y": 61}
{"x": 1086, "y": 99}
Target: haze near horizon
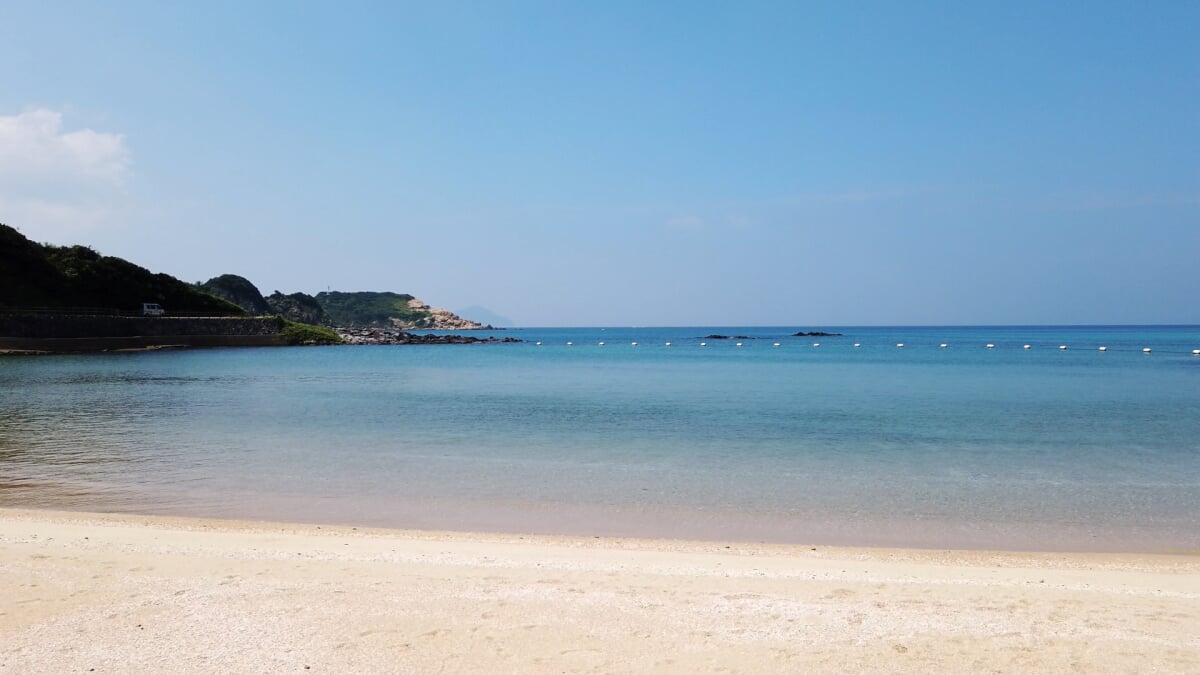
{"x": 621, "y": 163}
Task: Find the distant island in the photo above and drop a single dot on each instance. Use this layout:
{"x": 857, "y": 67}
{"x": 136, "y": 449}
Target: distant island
{"x": 72, "y": 298}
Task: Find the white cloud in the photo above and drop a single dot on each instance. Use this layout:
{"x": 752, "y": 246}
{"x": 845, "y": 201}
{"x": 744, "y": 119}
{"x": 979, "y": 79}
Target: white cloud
{"x": 56, "y": 183}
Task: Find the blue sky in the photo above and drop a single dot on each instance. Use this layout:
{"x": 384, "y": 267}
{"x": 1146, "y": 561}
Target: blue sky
{"x": 627, "y": 162}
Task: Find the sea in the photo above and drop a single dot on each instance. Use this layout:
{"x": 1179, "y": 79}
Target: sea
{"x": 997, "y": 437}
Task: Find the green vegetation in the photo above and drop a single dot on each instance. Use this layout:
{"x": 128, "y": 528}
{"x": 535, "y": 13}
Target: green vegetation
{"x": 239, "y": 291}
{"x": 27, "y": 278}
{"x": 295, "y": 333}
{"x": 42, "y": 275}
{"x": 369, "y": 308}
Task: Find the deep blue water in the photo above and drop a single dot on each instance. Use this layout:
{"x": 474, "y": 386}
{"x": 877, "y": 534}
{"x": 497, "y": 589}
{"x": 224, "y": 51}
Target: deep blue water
{"x": 962, "y": 446}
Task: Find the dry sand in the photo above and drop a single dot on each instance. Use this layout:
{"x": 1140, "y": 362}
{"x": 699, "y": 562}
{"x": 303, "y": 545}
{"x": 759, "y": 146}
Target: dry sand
{"x": 128, "y": 594}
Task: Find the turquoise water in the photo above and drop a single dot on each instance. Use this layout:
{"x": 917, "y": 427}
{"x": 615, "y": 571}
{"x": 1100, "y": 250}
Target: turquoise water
{"x": 877, "y": 445}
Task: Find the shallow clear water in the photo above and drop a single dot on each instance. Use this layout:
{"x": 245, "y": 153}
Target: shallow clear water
{"x": 920, "y": 446}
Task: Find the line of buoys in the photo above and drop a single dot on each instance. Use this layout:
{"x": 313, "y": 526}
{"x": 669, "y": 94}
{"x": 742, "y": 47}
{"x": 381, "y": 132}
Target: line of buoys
{"x": 943, "y": 345}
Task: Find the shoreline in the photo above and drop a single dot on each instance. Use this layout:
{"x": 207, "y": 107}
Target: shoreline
{"x": 611, "y": 521}
{"x": 132, "y": 593}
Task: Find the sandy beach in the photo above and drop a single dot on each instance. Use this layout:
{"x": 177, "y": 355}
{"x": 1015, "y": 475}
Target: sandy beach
{"x": 135, "y": 594}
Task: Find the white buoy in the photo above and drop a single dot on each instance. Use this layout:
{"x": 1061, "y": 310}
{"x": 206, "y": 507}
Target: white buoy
{"x": 703, "y": 344}
{"x": 991, "y": 346}
{"x": 668, "y": 344}
{"x": 1146, "y": 350}
{"x": 1062, "y": 346}
{"x": 775, "y": 345}
{"x": 899, "y": 344}
{"x": 1196, "y": 352}
{"x": 538, "y": 343}
{"x": 569, "y": 343}
{"x": 601, "y": 344}
{"x": 816, "y": 344}
{"x": 738, "y": 344}
{"x": 1028, "y": 347}
{"x": 943, "y": 345}
{"x": 1103, "y": 349}
{"x": 632, "y": 344}
{"x": 857, "y": 344}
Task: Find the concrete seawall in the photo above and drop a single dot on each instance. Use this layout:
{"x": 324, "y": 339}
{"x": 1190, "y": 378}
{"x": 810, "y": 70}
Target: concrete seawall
{"x": 98, "y": 333}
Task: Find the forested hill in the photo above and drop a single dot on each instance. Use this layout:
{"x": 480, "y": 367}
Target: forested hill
{"x": 43, "y": 275}
{"x": 241, "y": 292}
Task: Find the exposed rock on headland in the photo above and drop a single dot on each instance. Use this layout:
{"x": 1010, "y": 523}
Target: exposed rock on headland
{"x": 437, "y": 318}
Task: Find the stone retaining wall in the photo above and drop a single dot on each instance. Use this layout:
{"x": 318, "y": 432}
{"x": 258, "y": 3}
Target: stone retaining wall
{"x": 95, "y": 333}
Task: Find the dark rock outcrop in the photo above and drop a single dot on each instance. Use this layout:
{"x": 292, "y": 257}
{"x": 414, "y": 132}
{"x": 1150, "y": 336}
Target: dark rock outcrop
{"x": 300, "y": 307}
{"x": 382, "y": 336}
{"x": 816, "y": 333}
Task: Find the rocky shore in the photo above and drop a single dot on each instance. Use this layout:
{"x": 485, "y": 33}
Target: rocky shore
{"x": 385, "y": 336}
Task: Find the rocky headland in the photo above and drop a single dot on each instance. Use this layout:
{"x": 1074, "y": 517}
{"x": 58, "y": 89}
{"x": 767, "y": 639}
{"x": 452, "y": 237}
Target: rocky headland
{"x": 357, "y": 309}
{"x": 387, "y": 336}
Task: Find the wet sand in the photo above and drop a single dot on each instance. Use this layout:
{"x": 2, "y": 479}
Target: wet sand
{"x": 138, "y": 594}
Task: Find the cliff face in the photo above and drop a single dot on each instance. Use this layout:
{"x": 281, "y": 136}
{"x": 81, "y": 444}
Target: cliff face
{"x": 239, "y": 291}
{"x": 300, "y": 307}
